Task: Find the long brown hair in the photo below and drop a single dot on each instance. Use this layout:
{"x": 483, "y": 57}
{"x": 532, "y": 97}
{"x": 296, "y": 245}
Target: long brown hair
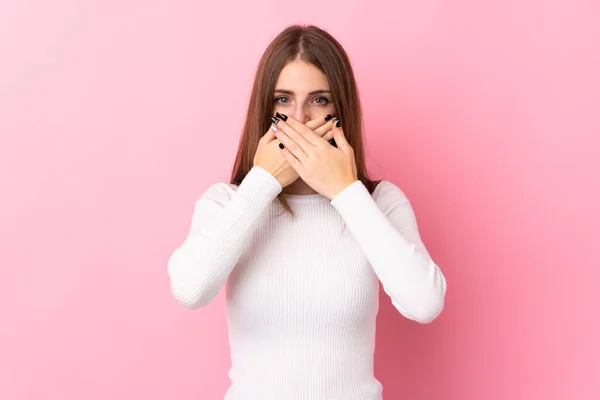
{"x": 315, "y": 46}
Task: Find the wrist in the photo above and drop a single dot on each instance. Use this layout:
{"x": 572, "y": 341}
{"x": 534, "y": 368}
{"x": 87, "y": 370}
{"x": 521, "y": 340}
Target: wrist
{"x": 340, "y": 188}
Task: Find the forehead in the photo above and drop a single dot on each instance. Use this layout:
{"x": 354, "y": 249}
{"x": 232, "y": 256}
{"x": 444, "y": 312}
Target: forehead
{"x": 300, "y": 77}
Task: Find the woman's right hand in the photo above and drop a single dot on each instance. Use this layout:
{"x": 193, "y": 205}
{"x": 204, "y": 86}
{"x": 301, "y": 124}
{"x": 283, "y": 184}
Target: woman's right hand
{"x": 268, "y": 155}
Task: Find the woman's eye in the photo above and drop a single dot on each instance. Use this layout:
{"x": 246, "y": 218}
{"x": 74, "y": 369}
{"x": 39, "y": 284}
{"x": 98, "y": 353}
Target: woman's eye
{"x": 318, "y": 100}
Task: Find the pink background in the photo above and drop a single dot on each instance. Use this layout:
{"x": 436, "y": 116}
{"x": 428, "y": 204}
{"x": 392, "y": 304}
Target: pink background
{"x": 115, "y": 115}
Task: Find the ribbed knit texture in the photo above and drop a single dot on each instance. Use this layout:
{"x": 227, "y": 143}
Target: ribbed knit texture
{"x": 302, "y": 293}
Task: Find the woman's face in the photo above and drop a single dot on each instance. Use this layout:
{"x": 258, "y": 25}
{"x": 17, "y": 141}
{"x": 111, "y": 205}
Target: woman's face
{"x": 302, "y": 91}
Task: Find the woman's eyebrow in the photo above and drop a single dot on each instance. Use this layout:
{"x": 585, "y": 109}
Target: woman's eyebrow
{"x": 290, "y": 92}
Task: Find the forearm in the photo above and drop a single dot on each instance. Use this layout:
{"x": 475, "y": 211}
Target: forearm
{"x": 408, "y": 275}
{"x": 202, "y": 264}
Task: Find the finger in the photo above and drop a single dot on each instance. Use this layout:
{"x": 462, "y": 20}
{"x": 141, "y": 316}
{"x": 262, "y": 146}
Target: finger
{"x": 340, "y": 138}
{"x": 307, "y": 134}
{"x": 289, "y": 143}
{"x": 329, "y": 135}
{"x": 270, "y": 135}
{"x": 299, "y": 139}
{"x": 322, "y": 130}
{"x": 317, "y": 122}
{"x": 291, "y": 159}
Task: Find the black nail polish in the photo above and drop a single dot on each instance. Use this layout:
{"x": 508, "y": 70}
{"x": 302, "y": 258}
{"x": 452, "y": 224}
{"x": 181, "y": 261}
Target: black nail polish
{"x": 275, "y": 120}
{"x": 332, "y": 142}
{"x": 338, "y": 124}
{"x": 328, "y": 117}
{"x": 282, "y": 116}
{"x": 281, "y": 145}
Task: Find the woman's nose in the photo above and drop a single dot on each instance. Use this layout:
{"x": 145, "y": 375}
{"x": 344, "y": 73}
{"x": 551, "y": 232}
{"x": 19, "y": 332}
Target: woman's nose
{"x": 301, "y": 115}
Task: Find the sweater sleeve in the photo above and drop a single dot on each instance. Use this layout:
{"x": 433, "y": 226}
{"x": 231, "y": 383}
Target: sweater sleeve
{"x": 221, "y": 229}
{"x": 385, "y": 227}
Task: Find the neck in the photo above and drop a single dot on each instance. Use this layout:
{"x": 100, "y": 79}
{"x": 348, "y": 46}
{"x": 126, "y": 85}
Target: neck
{"x": 298, "y": 187}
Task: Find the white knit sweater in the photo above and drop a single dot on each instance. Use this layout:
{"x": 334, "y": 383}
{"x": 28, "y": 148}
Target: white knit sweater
{"x": 302, "y": 293}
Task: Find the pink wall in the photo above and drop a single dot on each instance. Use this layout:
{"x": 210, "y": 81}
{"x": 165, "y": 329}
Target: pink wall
{"x": 114, "y": 116}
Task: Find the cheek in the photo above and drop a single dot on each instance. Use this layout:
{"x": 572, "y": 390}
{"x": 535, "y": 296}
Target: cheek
{"x": 282, "y": 108}
{"x": 322, "y": 111}
{"x": 329, "y": 109}
{"x": 313, "y": 111}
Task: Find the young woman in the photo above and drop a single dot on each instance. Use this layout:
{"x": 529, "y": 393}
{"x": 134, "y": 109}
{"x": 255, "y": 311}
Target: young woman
{"x": 301, "y": 236}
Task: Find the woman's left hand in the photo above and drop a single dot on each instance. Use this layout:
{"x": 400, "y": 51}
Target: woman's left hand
{"x": 325, "y": 168}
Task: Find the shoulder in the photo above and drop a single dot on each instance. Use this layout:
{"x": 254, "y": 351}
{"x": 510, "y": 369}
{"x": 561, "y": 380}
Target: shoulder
{"x": 389, "y": 196}
{"x": 218, "y": 192}
{"x": 254, "y": 182}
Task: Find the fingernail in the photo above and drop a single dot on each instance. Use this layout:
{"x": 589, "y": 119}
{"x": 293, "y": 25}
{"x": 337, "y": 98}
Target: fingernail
{"x": 281, "y": 145}
{"x": 328, "y": 117}
{"x": 275, "y": 128}
{"x": 282, "y": 116}
{"x": 338, "y": 123}
{"x": 275, "y": 120}
{"x": 332, "y": 142}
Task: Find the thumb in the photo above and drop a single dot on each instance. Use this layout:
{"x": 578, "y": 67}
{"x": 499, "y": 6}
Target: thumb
{"x": 340, "y": 138}
{"x": 270, "y": 135}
